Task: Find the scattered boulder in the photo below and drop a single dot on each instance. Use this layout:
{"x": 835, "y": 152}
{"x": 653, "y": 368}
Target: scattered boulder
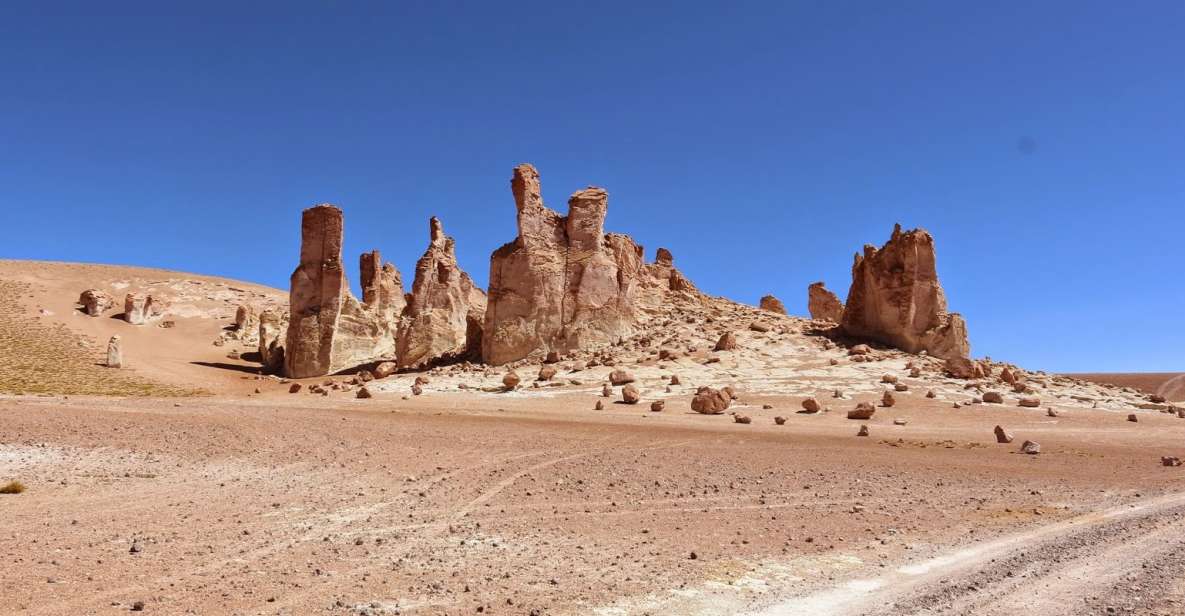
{"x": 114, "y": 353}
{"x": 675, "y": 379}
{"x": 1051, "y": 412}
{"x": 863, "y": 411}
{"x": 759, "y": 327}
{"x": 779, "y": 420}
{"x": 899, "y": 422}
{"x": 811, "y": 405}
{"x": 95, "y": 302}
{"x": 770, "y": 303}
{"x": 1030, "y": 447}
{"x": 887, "y": 400}
{"x": 657, "y": 406}
{"x": 860, "y": 349}
{"x": 606, "y": 391}
{"x": 295, "y": 388}
{"x": 709, "y": 401}
{"x": 889, "y": 378}
{"x": 546, "y": 373}
{"x": 1002, "y": 436}
{"x": 385, "y": 369}
{"x": 510, "y": 380}
{"x": 993, "y": 397}
{"x": 1032, "y": 403}
{"x": 727, "y": 342}
{"x": 630, "y": 394}
{"x": 742, "y": 419}
{"x": 823, "y": 304}
{"x": 600, "y": 406}
{"x": 620, "y": 377}
{"x": 1132, "y": 417}
{"x": 900, "y": 387}
{"x": 364, "y": 393}
{"x": 896, "y": 298}
{"x": 246, "y": 322}
{"x": 863, "y": 431}
{"x": 1170, "y": 461}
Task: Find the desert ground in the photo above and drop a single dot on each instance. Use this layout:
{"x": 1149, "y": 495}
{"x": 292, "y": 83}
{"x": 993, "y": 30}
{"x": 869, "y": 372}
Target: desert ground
{"x": 189, "y": 483}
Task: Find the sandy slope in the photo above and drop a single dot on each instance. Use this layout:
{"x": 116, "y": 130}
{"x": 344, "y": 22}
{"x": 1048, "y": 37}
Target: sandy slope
{"x": 531, "y": 502}
{"x": 1171, "y": 385}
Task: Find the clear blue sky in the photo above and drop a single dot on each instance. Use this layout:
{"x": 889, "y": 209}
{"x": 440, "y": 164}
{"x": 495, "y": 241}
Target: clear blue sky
{"x": 1043, "y": 143}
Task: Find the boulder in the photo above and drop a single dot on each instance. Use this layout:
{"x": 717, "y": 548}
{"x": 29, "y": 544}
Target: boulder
{"x": 779, "y": 420}
{"x": 1030, "y": 447}
{"x": 863, "y": 411}
{"x": 823, "y": 304}
{"x": 546, "y": 373}
{"x": 630, "y": 394}
{"x": 772, "y": 304}
{"x": 114, "y": 353}
{"x": 811, "y": 405}
{"x": 993, "y": 397}
{"x": 444, "y": 316}
{"x": 888, "y": 400}
{"x": 710, "y": 401}
{"x": 329, "y": 329}
{"x": 384, "y": 369}
{"x": 896, "y": 298}
{"x": 620, "y": 377}
{"x": 246, "y": 325}
{"x": 511, "y": 380}
{"x": 863, "y": 431}
{"x": 95, "y": 302}
{"x": 657, "y": 406}
{"x": 1002, "y": 436}
{"x": 1030, "y": 402}
{"x": 727, "y": 342}
{"x": 742, "y": 419}
{"x": 563, "y": 284}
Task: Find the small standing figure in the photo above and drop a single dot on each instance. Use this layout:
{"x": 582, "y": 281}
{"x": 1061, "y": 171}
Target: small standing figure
{"x": 114, "y": 353}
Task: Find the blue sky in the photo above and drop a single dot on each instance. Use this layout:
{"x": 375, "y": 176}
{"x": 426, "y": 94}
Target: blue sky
{"x": 1042, "y": 143}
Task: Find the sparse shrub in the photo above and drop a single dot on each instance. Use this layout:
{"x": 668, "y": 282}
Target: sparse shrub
{"x": 12, "y": 487}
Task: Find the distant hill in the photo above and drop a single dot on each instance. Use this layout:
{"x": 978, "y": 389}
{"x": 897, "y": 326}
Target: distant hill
{"x": 1171, "y": 385}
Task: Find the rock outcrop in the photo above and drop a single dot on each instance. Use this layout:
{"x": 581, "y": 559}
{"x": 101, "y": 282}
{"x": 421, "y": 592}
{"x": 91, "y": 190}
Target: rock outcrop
{"x": 895, "y": 298}
{"x": 563, "y": 283}
{"x": 273, "y": 330}
{"x": 329, "y": 329}
{"x": 139, "y": 309}
{"x": 95, "y": 302}
{"x": 772, "y": 304}
{"x": 662, "y": 275}
{"x": 382, "y": 286}
{"x": 823, "y": 304}
{"x": 446, "y": 310}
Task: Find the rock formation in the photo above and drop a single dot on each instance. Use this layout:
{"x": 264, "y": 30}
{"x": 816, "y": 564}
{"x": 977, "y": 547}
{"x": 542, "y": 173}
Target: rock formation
{"x": 329, "y": 329}
{"x": 896, "y": 298}
{"x": 139, "y": 309}
{"x": 382, "y": 285}
{"x": 446, "y": 310}
{"x": 114, "y": 353}
{"x": 563, "y": 283}
{"x": 663, "y": 276}
{"x": 273, "y": 329}
{"x": 772, "y": 304}
{"x": 95, "y": 302}
{"x": 823, "y": 304}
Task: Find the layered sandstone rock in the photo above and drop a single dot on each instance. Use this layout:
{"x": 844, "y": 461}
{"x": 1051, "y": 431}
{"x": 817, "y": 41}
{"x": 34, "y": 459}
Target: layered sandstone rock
{"x": 139, "y": 309}
{"x": 563, "y": 283}
{"x": 329, "y": 329}
{"x": 895, "y": 298}
{"x": 382, "y": 286}
{"x": 444, "y": 317}
{"x": 663, "y": 276}
{"x": 95, "y": 302}
{"x": 770, "y": 303}
{"x": 273, "y": 329}
{"x": 823, "y": 304}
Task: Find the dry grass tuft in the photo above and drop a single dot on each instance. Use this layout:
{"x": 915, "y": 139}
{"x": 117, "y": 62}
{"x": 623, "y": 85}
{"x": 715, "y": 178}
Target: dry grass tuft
{"x": 39, "y": 358}
{"x": 12, "y": 487}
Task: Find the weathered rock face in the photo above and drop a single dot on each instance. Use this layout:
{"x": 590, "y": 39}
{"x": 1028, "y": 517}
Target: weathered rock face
{"x": 382, "y": 286}
{"x": 772, "y": 304}
{"x": 663, "y": 276}
{"x": 563, "y": 283}
{"x": 139, "y": 309}
{"x": 273, "y": 329}
{"x": 444, "y": 317}
{"x": 329, "y": 330}
{"x": 246, "y": 327}
{"x": 95, "y": 302}
{"x": 896, "y": 298}
{"x": 823, "y": 304}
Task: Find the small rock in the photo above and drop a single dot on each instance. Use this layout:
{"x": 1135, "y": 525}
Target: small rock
{"x": 863, "y": 430}
{"x": 742, "y": 419}
{"x": 863, "y": 411}
{"x": 779, "y": 420}
{"x": 363, "y": 393}
{"x": 1002, "y": 436}
{"x": 1030, "y": 447}
{"x": 657, "y": 406}
{"x": 993, "y": 397}
{"x": 630, "y": 394}
{"x": 811, "y": 405}
{"x": 888, "y": 400}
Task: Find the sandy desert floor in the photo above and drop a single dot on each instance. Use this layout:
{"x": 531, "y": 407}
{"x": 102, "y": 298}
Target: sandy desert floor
{"x": 195, "y": 486}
